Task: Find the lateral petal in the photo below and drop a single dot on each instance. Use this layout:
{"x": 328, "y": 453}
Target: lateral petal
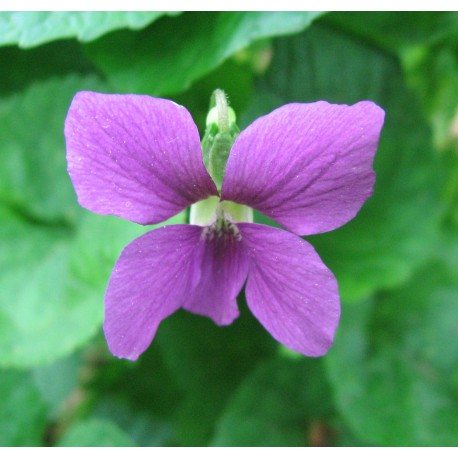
{"x": 307, "y": 166}
{"x": 150, "y": 281}
{"x": 134, "y": 156}
{"x": 289, "y": 289}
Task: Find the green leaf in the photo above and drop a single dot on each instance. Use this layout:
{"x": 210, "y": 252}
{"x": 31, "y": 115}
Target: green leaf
{"x": 392, "y": 234}
{"x": 394, "y": 363}
{"x": 159, "y": 64}
{"x": 33, "y": 175}
{"x": 95, "y": 433}
{"x": 32, "y": 28}
{"x": 22, "y": 411}
{"x": 278, "y": 404}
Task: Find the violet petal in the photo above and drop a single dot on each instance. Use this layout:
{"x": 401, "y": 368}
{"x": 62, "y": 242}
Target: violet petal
{"x": 289, "y": 289}
{"x": 150, "y": 281}
{"x": 134, "y": 156}
{"x": 307, "y": 166}
{"x": 224, "y": 270}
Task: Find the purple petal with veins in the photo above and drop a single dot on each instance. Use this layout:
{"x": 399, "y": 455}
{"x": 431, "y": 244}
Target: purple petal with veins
{"x": 307, "y": 166}
{"x": 150, "y": 281}
{"x": 134, "y": 156}
{"x": 289, "y": 289}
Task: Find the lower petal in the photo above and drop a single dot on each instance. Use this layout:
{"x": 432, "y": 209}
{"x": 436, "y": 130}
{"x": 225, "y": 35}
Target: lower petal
{"x": 289, "y": 289}
{"x": 224, "y": 269}
{"x": 149, "y": 282}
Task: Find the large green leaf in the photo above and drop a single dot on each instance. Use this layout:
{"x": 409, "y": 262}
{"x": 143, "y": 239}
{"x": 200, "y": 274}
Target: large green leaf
{"x": 276, "y": 405}
{"x": 32, "y": 28}
{"x": 22, "y": 411}
{"x": 169, "y": 56}
{"x": 392, "y": 234}
{"x": 394, "y": 363}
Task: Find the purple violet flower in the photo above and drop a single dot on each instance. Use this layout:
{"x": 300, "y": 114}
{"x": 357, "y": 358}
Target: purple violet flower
{"x": 307, "y": 166}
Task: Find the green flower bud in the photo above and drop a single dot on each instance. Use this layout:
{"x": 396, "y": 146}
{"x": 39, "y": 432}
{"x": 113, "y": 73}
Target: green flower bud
{"x": 219, "y": 136}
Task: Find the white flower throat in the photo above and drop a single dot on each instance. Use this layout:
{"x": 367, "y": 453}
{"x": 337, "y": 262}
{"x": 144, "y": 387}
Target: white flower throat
{"x": 219, "y": 217}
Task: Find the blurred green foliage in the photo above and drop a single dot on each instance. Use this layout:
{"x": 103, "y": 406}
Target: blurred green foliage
{"x": 391, "y": 377}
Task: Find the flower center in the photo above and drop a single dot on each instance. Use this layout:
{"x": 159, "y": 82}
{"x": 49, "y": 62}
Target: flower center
{"x": 219, "y": 217}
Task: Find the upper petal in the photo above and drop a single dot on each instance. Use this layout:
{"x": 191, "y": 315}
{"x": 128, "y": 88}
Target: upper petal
{"x": 149, "y": 282}
{"x": 289, "y": 289}
{"x": 134, "y": 156}
{"x": 308, "y": 166}
{"x": 224, "y": 270}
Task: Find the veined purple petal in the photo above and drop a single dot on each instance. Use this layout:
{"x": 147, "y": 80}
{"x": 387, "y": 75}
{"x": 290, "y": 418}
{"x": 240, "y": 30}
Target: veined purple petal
{"x": 134, "y": 156}
{"x": 150, "y": 281}
{"x": 308, "y": 166}
{"x": 224, "y": 270}
{"x": 289, "y": 289}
